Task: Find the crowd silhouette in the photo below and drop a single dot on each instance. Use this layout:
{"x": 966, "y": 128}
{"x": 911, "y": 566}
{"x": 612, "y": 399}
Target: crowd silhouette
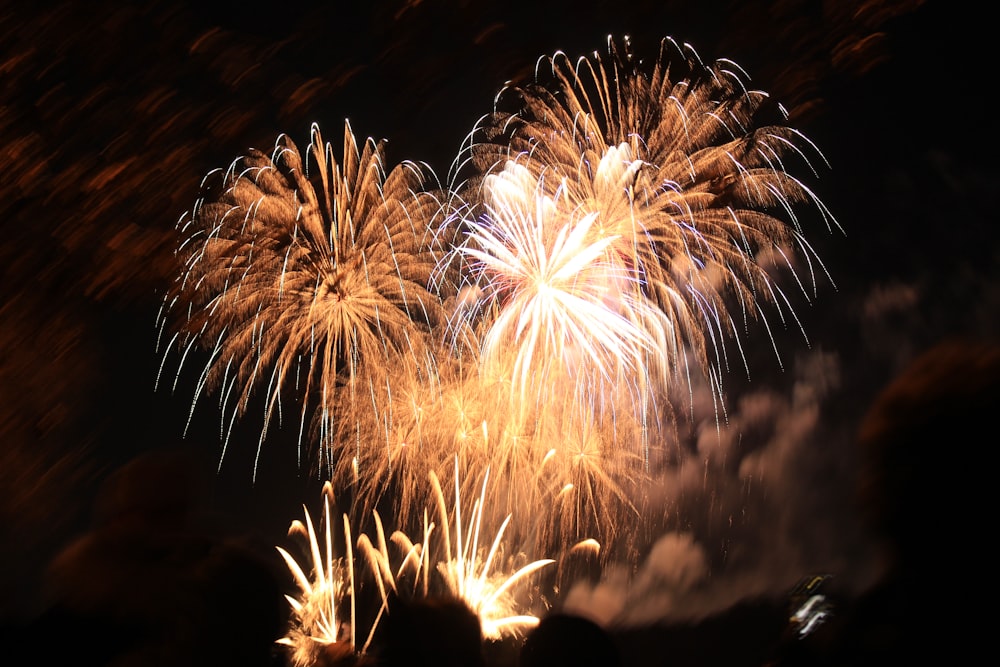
{"x": 153, "y": 582}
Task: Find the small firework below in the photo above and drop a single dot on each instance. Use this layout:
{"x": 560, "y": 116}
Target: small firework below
{"x": 317, "y": 613}
{"x": 471, "y": 571}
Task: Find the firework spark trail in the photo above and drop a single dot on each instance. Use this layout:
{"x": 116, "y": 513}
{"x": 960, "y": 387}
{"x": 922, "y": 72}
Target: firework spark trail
{"x": 470, "y": 570}
{"x": 309, "y": 277}
{"x": 317, "y": 610}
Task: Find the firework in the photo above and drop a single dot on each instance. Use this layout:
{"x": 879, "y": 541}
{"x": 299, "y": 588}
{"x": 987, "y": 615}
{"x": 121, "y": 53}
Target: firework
{"x": 310, "y": 277}
{"x": 471, "y": 571}
{"x": 676, "y": 197}
{"x": 482, "y": 577}
{"x": 457, "y": 564}
{"x": 392, "y": 581}
{"x": 561, "y": 306}
{"x": 623, "y": 226}
{"x": 317, "y": 618}
{"x": 625, "y": 223}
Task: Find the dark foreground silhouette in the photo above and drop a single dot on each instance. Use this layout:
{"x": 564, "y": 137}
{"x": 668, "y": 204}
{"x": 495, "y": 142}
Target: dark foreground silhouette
{"x": 151, "y": 584}
{"x": 562, "y": 640}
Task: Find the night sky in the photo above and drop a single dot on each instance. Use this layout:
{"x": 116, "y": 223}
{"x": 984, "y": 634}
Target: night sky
{"x": 110, "y": 116}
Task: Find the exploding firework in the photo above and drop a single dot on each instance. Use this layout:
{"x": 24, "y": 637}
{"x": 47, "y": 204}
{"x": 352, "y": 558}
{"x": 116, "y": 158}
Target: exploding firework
{"x": 458, "y": 565}
{"x": 473, "y": 572}
{"x": 312, "y": 278}
{"x": 326, "y": 592}
{"x": 623, "y": 225}
{"x": 483, "y": 577}
{"x": 676, "y": 195}
{"x": 626, "y": 224}
{"x": 560, "y": 305}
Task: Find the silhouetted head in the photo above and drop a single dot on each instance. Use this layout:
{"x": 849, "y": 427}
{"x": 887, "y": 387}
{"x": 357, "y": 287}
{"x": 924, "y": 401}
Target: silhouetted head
{"x": 150, "y": 585}
{"x": 924, "y": 440}
{"x": 157, "y": 490}
{"x": 341, "y": 654}
{"x": 564, "y": 640}
{"x": 440, "y": 632}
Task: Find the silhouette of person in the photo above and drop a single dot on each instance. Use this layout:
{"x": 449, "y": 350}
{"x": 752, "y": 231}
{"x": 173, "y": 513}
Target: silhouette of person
{"x": 434, "y": 631}
{"x": 923, "y": 482}
{"x": 148, "y": 585}
{"x": 341, "y": 654}
{"x": 564, "y": 640}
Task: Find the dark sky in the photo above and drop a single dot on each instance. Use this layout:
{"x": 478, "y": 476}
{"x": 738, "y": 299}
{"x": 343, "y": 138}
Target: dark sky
{"x": 110, "y": 116}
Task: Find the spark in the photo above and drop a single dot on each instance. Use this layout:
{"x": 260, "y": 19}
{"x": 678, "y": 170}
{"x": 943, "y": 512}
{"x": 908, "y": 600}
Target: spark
{"x": 470, "y": 570}
{"x": 323, "y": 593}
